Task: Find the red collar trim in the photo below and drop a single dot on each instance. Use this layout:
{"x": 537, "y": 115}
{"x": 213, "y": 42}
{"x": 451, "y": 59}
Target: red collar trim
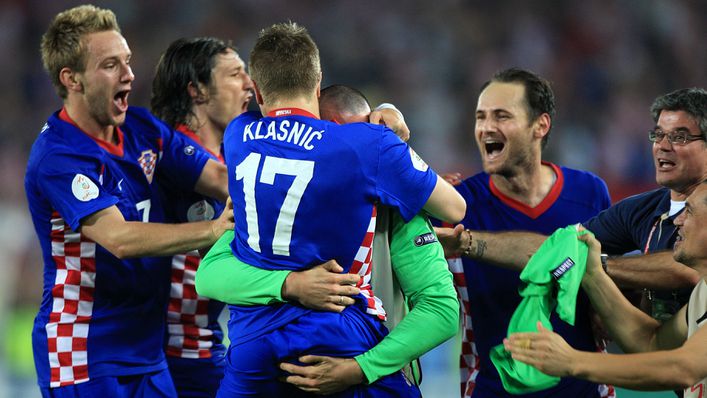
{"x": 184, "y": 129}
{"x": 290, "y": 112}
{"x": 115, "y": 149}
{"x": 542, "y": 207}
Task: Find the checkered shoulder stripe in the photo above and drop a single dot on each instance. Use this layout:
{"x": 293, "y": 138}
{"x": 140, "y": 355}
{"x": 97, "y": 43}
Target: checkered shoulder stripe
{"x": 469, "y": 363}
{"x": 187, "y": 313}
{"x": 72, "y": 304}
{"x": 363, "y": 267}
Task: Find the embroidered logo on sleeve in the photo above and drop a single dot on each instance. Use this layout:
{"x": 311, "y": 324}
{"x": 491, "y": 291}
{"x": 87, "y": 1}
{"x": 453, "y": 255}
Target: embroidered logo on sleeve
{"x": 417, "y": 161}
{"x": 425, "y": 239}
{"x": 148, "y": 160}
{"x": 189, "y": 150}
{"x": 83, "y": 188}
{"x": 562, "y": 268}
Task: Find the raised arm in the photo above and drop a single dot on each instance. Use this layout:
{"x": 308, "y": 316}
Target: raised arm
{"x": 445, "y": 203}
{"x": 511, "y": 249}
{"x": 631, "y": 328}
{"x": 389, "y": 115}
{"x": 662, "y": 370}
{"x": 126, "y": 239}
{"x": 677, "y": 362}
{"x": 674, "y": 369}
{"x": 652, "y": 271}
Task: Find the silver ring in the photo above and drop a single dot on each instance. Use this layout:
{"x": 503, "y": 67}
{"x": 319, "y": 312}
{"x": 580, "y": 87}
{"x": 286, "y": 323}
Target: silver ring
{"x": 341, "y": 300}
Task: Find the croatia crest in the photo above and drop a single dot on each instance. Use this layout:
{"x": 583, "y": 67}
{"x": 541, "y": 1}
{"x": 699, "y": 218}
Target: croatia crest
{"x": 148, "y": 160}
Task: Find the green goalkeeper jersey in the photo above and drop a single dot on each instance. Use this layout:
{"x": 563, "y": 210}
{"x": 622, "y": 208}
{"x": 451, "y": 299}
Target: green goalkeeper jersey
{"x": 418, "y": 264}
{"x": 551, "y": 280}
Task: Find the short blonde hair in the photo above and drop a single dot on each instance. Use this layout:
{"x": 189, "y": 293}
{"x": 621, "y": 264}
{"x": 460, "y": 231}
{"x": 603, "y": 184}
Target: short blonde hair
{"x": 284, "y": 61}
{"x": 62, "y": 44}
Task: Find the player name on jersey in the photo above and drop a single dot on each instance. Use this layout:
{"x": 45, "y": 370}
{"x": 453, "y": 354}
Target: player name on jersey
{"x": 290, "y": 131}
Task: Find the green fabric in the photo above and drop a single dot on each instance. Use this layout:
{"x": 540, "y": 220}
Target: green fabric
{"x": 427, "y": 283}
{"x": 538, "y": 292}
{"x": 221, "y": 277}
{"x": 386, "y": 285}
{"x": 421, "y": 271}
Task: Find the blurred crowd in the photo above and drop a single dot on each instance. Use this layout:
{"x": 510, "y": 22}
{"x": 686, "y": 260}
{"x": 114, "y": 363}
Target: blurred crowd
{"x": 607, "y": 60}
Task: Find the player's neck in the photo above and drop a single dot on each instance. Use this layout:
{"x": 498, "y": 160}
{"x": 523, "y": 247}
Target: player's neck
{"x": 211, "y": 139}
{"x": 307, "y": 103}
{"x": 210, "y": 135}
{"x": 80, "y": 115}
{"x": 530, "y": 185}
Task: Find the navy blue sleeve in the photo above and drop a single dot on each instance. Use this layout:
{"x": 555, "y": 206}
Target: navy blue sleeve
{"x": 181, "y": 161}
{"x": 72, "y": 184}
{"x": 613, "y": 228}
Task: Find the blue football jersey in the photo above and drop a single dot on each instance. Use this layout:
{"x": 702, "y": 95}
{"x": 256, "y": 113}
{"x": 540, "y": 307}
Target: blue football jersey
{"x": 193, "y": 330}
{"x": 490, "y": 293}
{"x": 303, "y": 192}
{"x": 100, "y": 315}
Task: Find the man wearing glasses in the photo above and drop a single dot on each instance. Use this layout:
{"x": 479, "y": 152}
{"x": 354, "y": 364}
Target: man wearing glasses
{"x": 645, "y": 222}
{"x": 640, "y": 223}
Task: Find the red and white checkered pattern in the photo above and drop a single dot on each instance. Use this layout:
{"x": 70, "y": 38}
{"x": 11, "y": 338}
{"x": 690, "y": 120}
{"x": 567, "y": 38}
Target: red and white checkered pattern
{"x": 363, "y": 267}
{"x": 605, "y": 390}
{"x": 187, "y": 313}
{"x": 72, "y": 304}
{"x": 469, "y": 359}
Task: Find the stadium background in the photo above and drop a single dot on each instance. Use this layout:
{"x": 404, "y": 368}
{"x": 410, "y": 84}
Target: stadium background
{"x": 607, "y": 60}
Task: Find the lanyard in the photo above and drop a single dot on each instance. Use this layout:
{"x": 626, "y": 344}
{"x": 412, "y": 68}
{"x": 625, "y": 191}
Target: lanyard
{"x": 659, "y": 221}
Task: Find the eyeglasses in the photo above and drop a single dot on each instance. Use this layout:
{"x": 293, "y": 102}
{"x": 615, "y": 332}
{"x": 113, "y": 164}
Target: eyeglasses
{"x": 678, "y": 137}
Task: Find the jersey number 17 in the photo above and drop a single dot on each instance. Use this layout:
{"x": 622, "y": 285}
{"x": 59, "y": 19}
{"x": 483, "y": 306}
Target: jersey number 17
{"x": 247, "y": 170}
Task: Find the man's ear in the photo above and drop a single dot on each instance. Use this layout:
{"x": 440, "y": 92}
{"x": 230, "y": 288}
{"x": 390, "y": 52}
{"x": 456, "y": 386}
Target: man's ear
{"x": 542, "y": 125}
{"x": 71, "y": 80}
{"x": 258, "y": 96}
{"x": 196, "y": 92}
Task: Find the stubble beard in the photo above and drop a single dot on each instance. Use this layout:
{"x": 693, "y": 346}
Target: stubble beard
{"x": 516, "y": 161}
{"x": 682, "y": 257}
{"x": 100, "y": 105}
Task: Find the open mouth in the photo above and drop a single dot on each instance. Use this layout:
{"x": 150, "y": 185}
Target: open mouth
{"x": 244, "y": 107}
{"x": 665, "y": 164}
{"x": 494, "y": 148}
{"x": 121, "y": 100}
